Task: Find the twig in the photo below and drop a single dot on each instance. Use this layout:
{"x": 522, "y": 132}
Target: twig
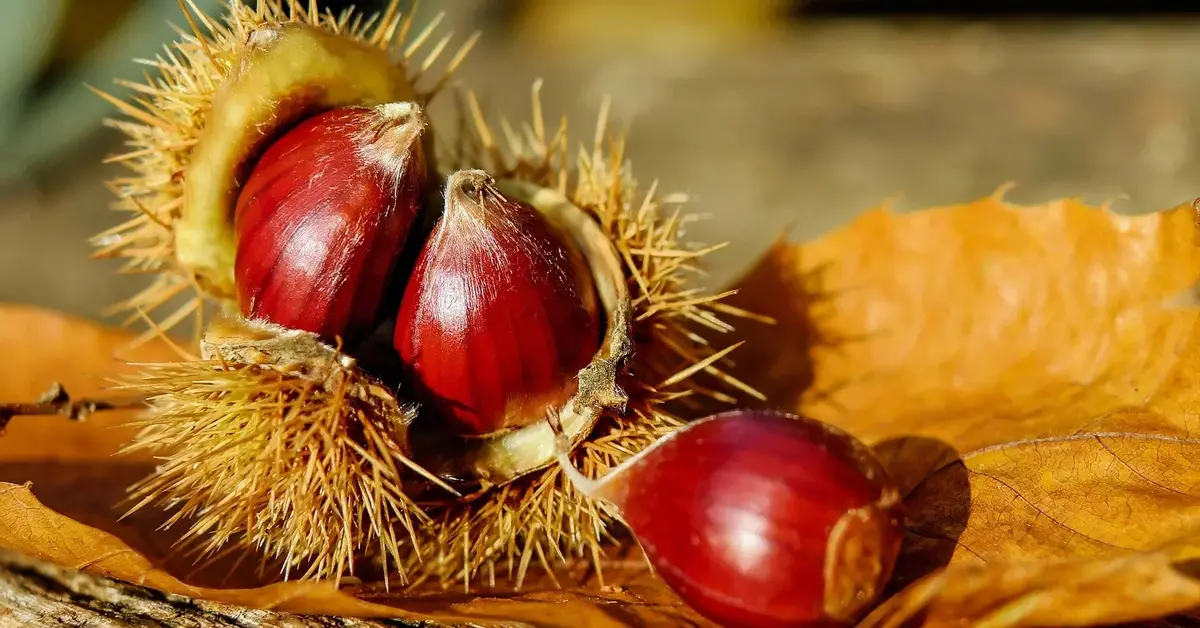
{"x": 58, "y": 401}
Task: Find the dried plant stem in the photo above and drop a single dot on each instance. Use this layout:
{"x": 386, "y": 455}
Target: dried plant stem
{"x": 58, "y": 401}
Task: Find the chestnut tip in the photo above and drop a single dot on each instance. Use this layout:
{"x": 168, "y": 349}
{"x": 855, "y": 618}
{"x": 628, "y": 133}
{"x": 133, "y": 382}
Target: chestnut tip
{"x": 402, "y": 113}
{"x": 466, "y": 191}
{"x": 470, "y": 181}
{"x": 393, "y": 139}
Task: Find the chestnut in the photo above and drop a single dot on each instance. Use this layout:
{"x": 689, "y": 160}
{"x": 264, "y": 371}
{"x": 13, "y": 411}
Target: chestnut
{"x": 760, "y": 519}
{"x": 242, "y": 431}
{"x": 271, "y": 85}
{"x": 323, "y": 216}
{"x": 500, "y": 313}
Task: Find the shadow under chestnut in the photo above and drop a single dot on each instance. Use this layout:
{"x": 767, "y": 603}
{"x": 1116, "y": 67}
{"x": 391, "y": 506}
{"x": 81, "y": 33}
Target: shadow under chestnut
{"x": 937, "y": 498}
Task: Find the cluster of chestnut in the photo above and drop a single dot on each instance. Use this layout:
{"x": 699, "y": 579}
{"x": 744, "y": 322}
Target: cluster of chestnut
{"x": 754, "y": 518}
{"x": 499, "y": 312}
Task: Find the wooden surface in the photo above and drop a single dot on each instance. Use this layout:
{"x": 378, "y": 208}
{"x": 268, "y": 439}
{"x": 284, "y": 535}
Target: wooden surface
{"x": 33, "y": 593}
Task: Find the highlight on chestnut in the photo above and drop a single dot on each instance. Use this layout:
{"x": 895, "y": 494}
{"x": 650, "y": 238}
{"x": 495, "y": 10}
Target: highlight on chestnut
{"x": 397, "y": 313}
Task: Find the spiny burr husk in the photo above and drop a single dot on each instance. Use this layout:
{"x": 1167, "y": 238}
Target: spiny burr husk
{"x": 280, "y": 442}
{"x": 233, "y": 83}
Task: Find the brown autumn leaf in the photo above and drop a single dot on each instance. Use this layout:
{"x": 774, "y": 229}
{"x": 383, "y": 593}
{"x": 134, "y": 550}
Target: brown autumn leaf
{"x": 28, "y": 526}
{"x": 978, "y": 324}
{"x": 42, "y": 348}
{"x": 1077, "y": 530}
{"x": 948, "y": 330}
{"x": 1082, "y": 592}
{"x": 61, "y": 488}
{"x": 1083, "y": 496}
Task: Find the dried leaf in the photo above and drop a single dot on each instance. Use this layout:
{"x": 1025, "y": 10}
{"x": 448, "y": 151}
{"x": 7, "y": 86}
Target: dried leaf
{"x": 978, "y": 324}
{"x": 1106, "y": 522}
{"x": 1083, "y": 496}
{"x": 60, "y": 486}
{"x": 1033, "y": 339}
{"x": 1070, "y": 593}
{"x": 42, "y": 348}
{"x": 29, "y": 527}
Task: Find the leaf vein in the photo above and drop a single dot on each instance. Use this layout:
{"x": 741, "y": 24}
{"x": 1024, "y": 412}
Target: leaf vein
{"x": 1047, "y": 515}
{"x": 1139, "y": 473}
{"x": 944, "y": 537}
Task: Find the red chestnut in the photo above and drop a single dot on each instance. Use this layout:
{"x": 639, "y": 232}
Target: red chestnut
{"x": 499, "y": 315}
{"x": 324, "y": 215}
{"x": 760, "y": 519}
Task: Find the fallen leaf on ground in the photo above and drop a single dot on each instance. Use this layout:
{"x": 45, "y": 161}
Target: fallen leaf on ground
{"x": 41, "y": 348}
{"x": 633, "y": 600}
{"x": 1071, "y": 531}
{"x": 978, "y": 324}
{"x": 1066, "y": 593}
{"x": 1082, "y": 496}
{"x": 1014, "y": 367}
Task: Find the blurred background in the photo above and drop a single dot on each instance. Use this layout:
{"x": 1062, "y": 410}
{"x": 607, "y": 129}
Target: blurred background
{"x": 773, "y": 115}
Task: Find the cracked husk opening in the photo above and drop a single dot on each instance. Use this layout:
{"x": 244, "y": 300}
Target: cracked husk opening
{"x": 277, "y": 441}
{"x": 284, "y": 73}
{"x": 540, "y": 520}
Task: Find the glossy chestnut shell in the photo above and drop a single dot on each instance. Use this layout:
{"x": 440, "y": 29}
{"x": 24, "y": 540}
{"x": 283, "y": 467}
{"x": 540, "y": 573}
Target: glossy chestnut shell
{"x": 761, "y": 519}
{"x": 323, "y": 217}
{"x": 500, "y": 313}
